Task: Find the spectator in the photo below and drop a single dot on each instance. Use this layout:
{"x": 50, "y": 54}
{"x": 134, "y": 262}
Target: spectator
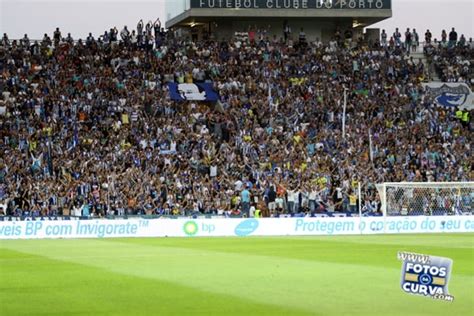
{"x": 91, "y": 129}
{"x": 408, "y": 41}
{"x": 302, "y": 37}
{"x": 443, "y": 37}
{"x": 245, "y": 200}
{"x": 415, "y": 41}
{"x": 286, "y": 32}
{"x": 90, "y": 40}
{"x": 125, "y": 35}
{"x": 428, "y": 36}
{"x": 57, "y": 37}
{"x": 25, "y": 41}
{"x": 397, "y": 36}
{"x": 453, "y": 38}
{"x": 5, "y": 40}
{"x": 383, "y": 38}
{"x": 452, "y": 64}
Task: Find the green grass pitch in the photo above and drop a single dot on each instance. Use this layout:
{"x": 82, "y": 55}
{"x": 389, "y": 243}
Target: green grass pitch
{"x": 343, "y": 275}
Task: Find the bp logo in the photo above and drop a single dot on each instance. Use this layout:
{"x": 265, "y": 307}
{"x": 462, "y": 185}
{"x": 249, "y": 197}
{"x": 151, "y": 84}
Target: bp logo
{"x": 190, "y": 228}
{"x": 426, "y": 275}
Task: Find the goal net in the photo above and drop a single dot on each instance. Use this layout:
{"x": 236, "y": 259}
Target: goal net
{"x": 428, "y": 198}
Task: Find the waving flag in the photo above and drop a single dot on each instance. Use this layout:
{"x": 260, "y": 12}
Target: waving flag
{"x": 193, "y": 92}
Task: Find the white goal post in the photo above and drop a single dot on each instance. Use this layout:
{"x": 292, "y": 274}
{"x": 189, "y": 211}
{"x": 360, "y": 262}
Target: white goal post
{"x": 426, "y": 198}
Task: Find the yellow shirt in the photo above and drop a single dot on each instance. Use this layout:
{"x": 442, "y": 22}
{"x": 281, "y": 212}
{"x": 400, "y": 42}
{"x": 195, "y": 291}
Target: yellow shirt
{"x": 47, "y": 131}
{"x": 355, "y": 183}
{"x": 456, "y": 131}
{"x": 297, "y": 138}
{"x": 465, "y": 117}
{"x": 188, "y": 77}
{"x": 304, "y": 165}
{"x": 352, "y": 199}
{"x": 322, "y": 180}
{"x": 125, "y": 119}
{"x": 32, "y": 145}
{"x": 125, "y": 145}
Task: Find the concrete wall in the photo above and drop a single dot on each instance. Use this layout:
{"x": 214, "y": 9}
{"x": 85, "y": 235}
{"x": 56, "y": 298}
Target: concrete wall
{"x": 372, "y": 34}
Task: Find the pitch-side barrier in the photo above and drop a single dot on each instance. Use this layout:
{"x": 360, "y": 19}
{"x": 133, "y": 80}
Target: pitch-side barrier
{"x": 137, "y": 227}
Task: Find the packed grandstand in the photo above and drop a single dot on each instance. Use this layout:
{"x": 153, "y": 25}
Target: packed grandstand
{"x": 94, "y": 127}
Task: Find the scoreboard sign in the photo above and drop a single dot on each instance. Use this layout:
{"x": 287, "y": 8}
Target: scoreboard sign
{"x": 291, "y": 4}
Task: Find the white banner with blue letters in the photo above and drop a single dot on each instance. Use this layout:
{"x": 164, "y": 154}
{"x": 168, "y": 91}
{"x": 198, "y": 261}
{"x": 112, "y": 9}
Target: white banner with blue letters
{"x": 102, "y": 228}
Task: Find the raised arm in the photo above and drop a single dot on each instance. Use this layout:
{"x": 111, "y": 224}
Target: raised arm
{"x": 157, "y": 23}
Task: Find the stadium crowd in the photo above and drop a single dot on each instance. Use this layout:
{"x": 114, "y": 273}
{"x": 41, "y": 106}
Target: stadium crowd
{"x": 88, "y": 127}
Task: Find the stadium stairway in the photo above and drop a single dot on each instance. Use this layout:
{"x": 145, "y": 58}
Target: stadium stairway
{"x": 429, "y": 69}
